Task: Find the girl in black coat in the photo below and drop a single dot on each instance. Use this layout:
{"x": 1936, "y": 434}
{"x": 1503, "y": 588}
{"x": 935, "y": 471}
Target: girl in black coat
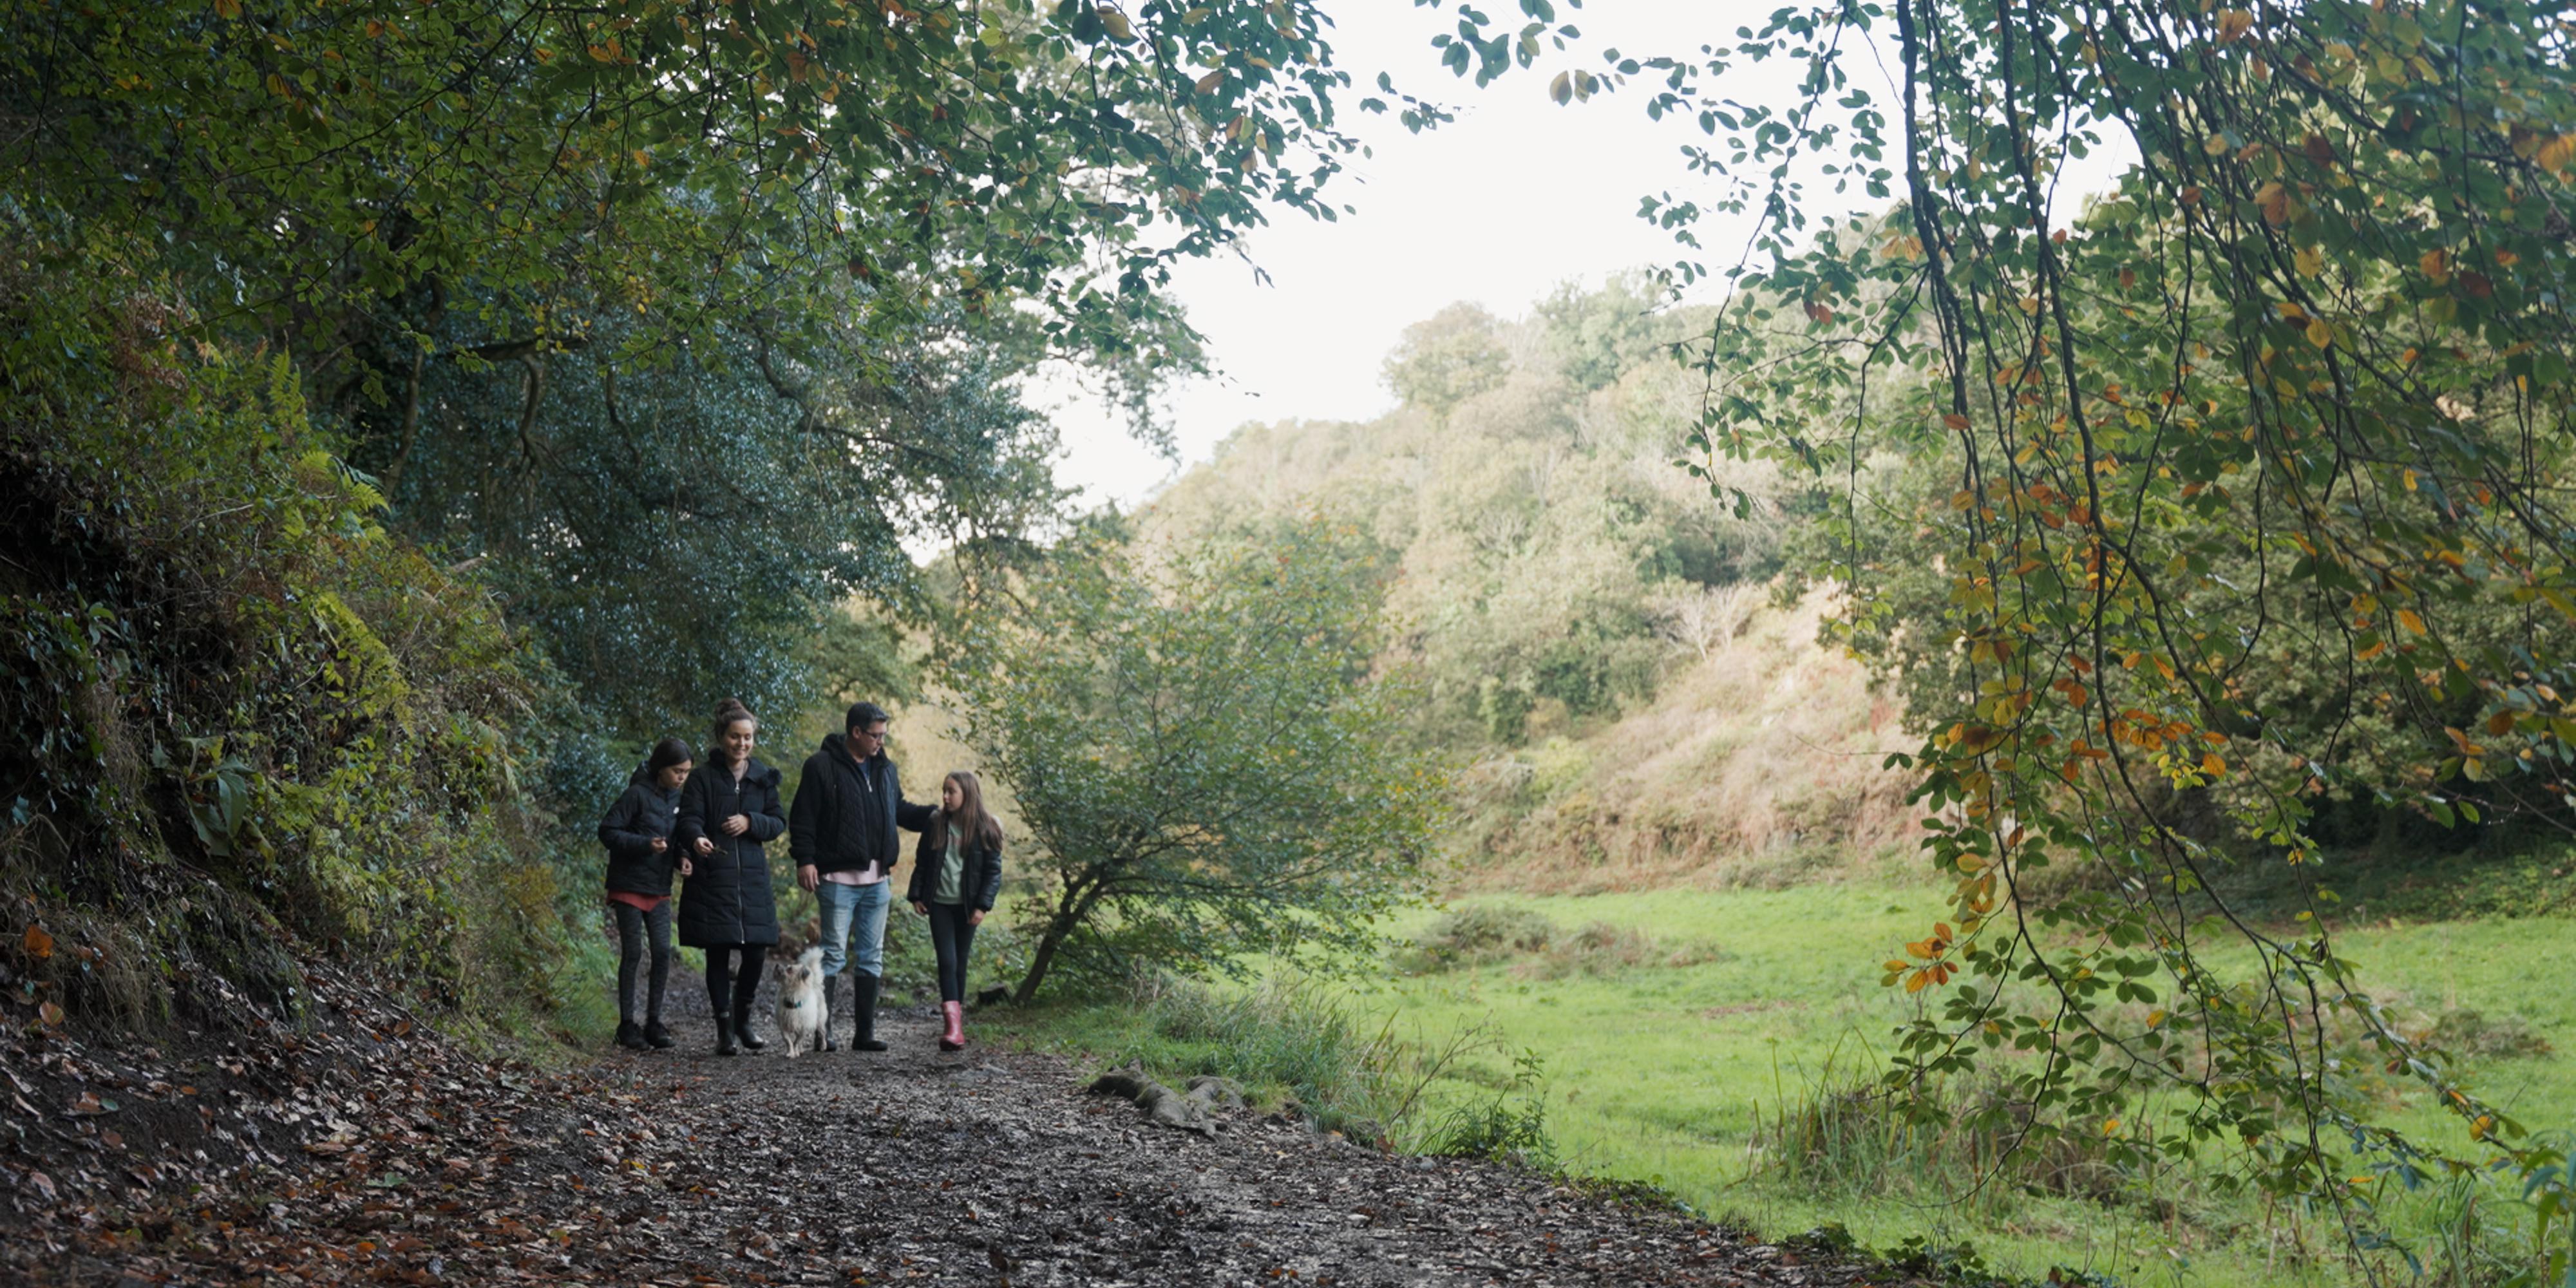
{"x": 729, "y": 808}
{"x": 955, "y": 876}
{"x": 641, "y": 858}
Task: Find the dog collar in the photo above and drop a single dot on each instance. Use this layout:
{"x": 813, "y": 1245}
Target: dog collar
{"x": 793, "y": 1005}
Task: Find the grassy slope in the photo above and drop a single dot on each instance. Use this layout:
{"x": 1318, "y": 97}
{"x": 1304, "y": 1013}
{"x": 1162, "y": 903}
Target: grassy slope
{"x": 1670, "y": 1073}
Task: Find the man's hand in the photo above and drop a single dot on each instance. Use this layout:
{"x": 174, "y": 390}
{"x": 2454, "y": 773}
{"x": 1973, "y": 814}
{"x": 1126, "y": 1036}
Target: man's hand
{"x": 975, "y": 918}
{"x": 807, "y": 877}
{"x": 736, "y": 825}
{"x": 921, "y": 910}
{"x": 687, "y": 868}
{"x": 660, "y": 845}
{"x": 705, "y": 847}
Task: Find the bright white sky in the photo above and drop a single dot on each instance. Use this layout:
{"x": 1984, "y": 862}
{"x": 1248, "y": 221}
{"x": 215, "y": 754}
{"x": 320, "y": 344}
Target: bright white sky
{"x": 1497, "y": 208}
{"x": 1514, "y": 197}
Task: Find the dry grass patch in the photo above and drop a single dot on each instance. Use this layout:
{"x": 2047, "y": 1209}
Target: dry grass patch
{"x": 1756, "y": 767}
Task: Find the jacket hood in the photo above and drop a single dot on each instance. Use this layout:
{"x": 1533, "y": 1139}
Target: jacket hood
{"x": 838, "y": 744}
{"x": 643, "y": 776}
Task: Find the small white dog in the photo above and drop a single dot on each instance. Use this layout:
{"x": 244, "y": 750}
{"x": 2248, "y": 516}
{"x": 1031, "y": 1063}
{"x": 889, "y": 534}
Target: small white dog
{"x": 802, "y": 1019}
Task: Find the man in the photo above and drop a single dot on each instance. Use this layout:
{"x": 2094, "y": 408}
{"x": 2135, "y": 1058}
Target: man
{"x": 841, "y": 832}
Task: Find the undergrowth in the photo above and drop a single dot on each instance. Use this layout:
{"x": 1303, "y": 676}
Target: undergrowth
{"x": 1484, "y": 934}
{"x": 244, "y": 722}
{"x": 1301, "y": 1048}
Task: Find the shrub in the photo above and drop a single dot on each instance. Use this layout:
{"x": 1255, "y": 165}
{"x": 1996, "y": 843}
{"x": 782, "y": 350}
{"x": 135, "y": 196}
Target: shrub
{"x": 231, "y": 698}
{"x": 1477, "y": 934}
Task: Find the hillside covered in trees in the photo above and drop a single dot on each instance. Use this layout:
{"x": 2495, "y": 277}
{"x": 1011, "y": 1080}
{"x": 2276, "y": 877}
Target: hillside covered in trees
{"x": 1636, "y": 684}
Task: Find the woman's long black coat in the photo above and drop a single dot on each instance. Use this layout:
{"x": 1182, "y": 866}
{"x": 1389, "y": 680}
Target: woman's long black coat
{"x": 726, "y": 899}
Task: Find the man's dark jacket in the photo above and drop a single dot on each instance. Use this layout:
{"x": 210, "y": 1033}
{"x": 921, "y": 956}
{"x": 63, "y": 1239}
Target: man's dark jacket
{"x": 846, "y": 812}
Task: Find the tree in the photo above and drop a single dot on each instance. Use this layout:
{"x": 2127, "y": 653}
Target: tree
{"x": 1448, "y": 358}
{"x": 2300, "y": 387}
{"x": 1201, "y": 754}
{"x": 676, "y": 317}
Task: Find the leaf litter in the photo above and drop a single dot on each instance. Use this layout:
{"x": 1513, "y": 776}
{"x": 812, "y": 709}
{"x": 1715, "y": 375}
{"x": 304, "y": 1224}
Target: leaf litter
{"x": 358, "y": 1146}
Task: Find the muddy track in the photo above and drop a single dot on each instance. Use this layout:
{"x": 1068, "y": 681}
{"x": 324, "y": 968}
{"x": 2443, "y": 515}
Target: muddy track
{"x": 410, "y": 1162}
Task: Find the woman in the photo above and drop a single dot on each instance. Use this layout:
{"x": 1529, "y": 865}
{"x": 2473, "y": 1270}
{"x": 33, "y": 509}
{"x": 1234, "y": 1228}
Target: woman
{"x": 728, "y": 809}
{"x": 955, "y": 875}
{"x": 637, "y": 832}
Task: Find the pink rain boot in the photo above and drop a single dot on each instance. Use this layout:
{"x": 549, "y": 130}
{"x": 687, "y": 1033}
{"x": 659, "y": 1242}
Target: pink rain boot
{"x": 955, "y": 1038}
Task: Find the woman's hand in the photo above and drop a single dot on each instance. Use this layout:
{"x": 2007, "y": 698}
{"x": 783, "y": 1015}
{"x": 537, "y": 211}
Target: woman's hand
{"x": 921, "y": 910}
{"x": 736, "y": 825}
{"x": 660, "y": 845}
{"x": 975, "y": 918}
{"x": 705, "y": 847}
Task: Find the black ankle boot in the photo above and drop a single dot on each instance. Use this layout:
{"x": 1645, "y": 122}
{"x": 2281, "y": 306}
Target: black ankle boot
{"x": 863, "y": 1004}
{"x": 724, "y": 1034}
{"x": 629, "y": 1036}
{"x": 657, "y": 1037}
{"x": 742, "y": 1031}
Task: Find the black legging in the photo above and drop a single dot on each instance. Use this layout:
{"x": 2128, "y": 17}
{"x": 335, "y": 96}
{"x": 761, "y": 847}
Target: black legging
{"x": 745, "y": 983}
{"x": 639, "y": 931}
{"x": 952, "y": 936}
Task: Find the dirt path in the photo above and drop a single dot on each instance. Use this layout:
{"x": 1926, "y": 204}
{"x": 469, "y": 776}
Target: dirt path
{"x": 372, "y": 1155}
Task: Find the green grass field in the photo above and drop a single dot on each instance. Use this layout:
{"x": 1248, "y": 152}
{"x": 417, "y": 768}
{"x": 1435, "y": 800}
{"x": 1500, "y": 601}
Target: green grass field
{"x": 1717, "y": 1010}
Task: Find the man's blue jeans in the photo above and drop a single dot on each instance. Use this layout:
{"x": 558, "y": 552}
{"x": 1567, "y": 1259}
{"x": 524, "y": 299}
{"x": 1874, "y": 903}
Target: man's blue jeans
{"x": 858, "y": 910}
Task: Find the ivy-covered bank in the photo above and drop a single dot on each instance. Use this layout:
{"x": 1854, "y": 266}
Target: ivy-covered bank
{"x": 239, "y": 715}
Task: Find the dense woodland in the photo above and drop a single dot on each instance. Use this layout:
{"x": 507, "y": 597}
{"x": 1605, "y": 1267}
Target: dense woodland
{"x": 406, "y": 412}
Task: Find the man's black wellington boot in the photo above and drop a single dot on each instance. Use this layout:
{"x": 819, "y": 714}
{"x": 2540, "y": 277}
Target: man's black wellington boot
{"x": 863, "y": 1003}
{"x": 831, "y": 1013}
{"x": 629, "y": 1036}
{"x": 656, "y": 1036}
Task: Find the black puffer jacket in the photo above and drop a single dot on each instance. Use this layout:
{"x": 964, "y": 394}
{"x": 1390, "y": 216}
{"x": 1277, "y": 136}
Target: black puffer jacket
{"x": 646, "y": 813}
{"x": 846, "y": 813}
{"x": 726, "y": 898}
{"x": 979, "y": 876}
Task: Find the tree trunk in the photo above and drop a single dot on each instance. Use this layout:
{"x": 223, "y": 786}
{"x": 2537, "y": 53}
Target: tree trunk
{"x": 1069, "y": 914}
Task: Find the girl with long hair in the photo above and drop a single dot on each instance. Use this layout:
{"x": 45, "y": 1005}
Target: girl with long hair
{"x": 955, "y": 876}
{"x": 729, "y": 808}
{"x": 637, "y": 831}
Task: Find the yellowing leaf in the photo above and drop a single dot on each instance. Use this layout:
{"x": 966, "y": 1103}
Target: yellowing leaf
{"x": 2310, "y": 261}
{"x": 2233, "y": 24}
{"x": 2414, "y": 625}
{"x": 1208, "y": 83}
{"x": 1954, "y": 421}
{"x": 38, "y": 944}
{"x": 2319, "y": 334}
{"x": 2211, "y": 766}
{"x": 2275, "y": 201}
{"x": 2436, "y": 265}
{"x": 2554, "y": 155}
